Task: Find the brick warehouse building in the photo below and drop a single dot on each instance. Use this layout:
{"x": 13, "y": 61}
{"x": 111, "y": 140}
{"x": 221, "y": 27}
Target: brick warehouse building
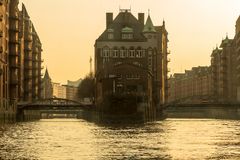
{"x": 131, "y": 57}
{"x": 20, "y": 58}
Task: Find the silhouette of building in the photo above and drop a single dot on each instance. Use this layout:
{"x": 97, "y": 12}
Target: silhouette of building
{"x": 131, "y": 56}
{"x": 193, "y": 86}
{"x": 47, "y": 88}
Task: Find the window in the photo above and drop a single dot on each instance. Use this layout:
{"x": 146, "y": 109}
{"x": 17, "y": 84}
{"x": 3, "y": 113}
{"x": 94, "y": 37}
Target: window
{"x": 115, "y": 53}
{"x": 131, "y": 53}
{"x": 127, "y": 36}
{"x": 110, "y": 33}
{"x": 110, "y": 36}
{"x": 121, "y": 53}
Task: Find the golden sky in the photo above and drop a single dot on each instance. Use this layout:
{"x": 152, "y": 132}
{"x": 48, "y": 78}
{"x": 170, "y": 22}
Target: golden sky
{"x": 68, "y": 29}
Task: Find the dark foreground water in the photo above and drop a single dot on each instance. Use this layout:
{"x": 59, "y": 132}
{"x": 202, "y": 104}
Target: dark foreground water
{"x": 58, "y": 139}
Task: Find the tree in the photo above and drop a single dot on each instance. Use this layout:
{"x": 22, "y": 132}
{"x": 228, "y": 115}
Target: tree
{"x": 86, "y": 87}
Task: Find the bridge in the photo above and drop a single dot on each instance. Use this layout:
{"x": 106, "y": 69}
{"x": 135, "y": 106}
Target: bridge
{"x": 52, "y": 106}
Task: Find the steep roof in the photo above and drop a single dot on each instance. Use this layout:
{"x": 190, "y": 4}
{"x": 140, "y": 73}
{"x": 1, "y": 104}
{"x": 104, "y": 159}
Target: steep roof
{"x": 225, "y": 42}
{"x": 127, "y": 22}
{"x": 149, "y": 27}
{"x": 46, "y": 76}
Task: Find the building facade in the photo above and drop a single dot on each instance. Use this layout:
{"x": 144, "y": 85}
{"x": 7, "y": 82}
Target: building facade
{"x": 226, "y": 68}
{"x": 237, "y": 53}
{"x": 193, "y": 86}
{"x": 72, "y": 93}
{"x": 4, "y": 69}
{"x": 16, "y": 58}
{"x": 59, "y": 91}
{"x": 131, "y": 56}
{"x": 29, "y": 84}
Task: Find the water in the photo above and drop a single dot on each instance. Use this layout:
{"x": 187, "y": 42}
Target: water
{"x": 79, "y": 139}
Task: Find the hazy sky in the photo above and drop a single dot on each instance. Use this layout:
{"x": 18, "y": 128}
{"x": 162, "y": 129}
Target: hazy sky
{"x": 68, "y": 29}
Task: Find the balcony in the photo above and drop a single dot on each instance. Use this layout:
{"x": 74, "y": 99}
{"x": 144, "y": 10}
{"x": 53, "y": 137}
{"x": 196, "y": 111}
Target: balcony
{"x": 1, "y": 49}
{"x": 168, "y": 60}
{"x": 238, "y": 57}
{"x": 14, "y": 27}
{"x": 28, "y": 49}
{"x": 28, "y": 38}
{"x": 13, "y": 81}
{"x": 14, "y": 65}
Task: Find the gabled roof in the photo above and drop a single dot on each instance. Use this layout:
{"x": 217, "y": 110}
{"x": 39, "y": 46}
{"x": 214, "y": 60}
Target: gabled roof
{"x": 124, "y": 21}
{"x": 149, "y": 27}
{"x": 46, "y": 76}
{"x": 225, "y": 42}
{"x": 216, "y": 51}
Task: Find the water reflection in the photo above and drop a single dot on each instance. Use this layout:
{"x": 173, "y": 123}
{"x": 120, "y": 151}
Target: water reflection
{"x": 79, "y": 139}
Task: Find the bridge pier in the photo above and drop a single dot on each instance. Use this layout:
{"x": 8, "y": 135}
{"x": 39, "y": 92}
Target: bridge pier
{"x": 28, "y": 115}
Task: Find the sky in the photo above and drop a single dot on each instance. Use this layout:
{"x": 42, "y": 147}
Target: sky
{"x": 68, "y": 30}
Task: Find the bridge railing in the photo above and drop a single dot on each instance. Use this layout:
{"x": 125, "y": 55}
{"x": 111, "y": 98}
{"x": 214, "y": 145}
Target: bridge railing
{"x": 54, "y": 101}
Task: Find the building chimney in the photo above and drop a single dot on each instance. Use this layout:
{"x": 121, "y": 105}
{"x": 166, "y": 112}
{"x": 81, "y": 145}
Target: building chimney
{"x": 109, "y": 19}
{"x": 141, "y": 18}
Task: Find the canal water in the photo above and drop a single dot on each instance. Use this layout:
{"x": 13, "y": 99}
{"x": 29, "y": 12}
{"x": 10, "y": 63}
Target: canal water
{"x": 56, "y": 139}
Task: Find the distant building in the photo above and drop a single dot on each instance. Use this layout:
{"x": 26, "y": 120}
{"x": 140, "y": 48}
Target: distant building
{"x": 130, "y": 57}
{"x": 74, "y": 83}
{"x": 47, "y": 88}
{"x": 72, "y": 90}
{"x": 193, "y": 86}
{"x": 72, "y": 93}
{"x": 59, "y": 91}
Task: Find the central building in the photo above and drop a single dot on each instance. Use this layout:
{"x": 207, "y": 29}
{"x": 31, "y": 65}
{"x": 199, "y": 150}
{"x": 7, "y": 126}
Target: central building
{"x": 131, "y": 65}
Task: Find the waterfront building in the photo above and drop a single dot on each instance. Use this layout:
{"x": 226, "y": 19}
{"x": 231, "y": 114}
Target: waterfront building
{"x": 4, "y": 70}
{"x": 47, "y": 88}
{"x": 20, "y": 79}
{"x": 131, "y": 57}
{"x": 237, "y": 53}
{"x": 226, "y": 68}
{"x": 193, "y": 86}
{"x": 29, "y": 59}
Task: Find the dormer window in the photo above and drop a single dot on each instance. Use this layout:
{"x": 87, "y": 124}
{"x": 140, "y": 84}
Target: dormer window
{"x": 110, "y": 33}
{"x": 127, "y": 33}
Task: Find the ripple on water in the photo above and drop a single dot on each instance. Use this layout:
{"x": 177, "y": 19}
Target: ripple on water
{"x": 79, "y": 139}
